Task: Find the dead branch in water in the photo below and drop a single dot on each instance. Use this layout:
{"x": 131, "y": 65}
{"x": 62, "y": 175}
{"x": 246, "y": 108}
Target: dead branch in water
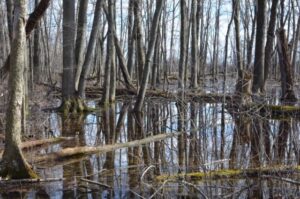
{"x": 86, "y": 150}
{"x": 40, "y": 143}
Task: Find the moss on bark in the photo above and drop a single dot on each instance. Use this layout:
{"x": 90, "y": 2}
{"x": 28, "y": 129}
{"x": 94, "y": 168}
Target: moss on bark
{"x": 74, "y": 106}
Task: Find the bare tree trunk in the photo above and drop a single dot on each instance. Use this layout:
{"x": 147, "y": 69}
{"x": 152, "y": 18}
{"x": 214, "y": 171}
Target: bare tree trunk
{"x": 270, "y": 40}
{"x": 258, "y": 72}
{"x": 183, "y": 41}
{"x": 153, "y": 34}
{"x": 91, "y": 46}
{"x": 109, "y": 54}
{"x": 295, "y": 51}
{"x": 216, "y": 42}
{"x": 68, "y": 80}
{"x": 236, "y": 10}
{"x": 130, "y": 38}
{"x": 121, "y": 58}
{"x": 287, "y": 83}
{"x": 36, "y": 52}
{"x": 194, "y": 46}
{"x": 140, "y": 54}
{"x": 13, "y": 164}
{"x": 10, "y": 9}
{"x": 33, "y": 19}
{"x": 250, "y": 43}
{"x": 155, "y": 64}
{"x": 80, "y": 37}
{"x": 113, "y": 73}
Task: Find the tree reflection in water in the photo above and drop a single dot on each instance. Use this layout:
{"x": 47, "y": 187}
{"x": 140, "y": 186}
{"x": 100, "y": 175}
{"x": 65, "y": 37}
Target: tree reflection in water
{"x": 211, "y": 140}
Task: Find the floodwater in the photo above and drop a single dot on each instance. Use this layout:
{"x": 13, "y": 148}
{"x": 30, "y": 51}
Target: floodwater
{"x": 213, "y": 139}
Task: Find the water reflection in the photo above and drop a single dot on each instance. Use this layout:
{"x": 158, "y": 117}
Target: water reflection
{"x": 213, "y": 138}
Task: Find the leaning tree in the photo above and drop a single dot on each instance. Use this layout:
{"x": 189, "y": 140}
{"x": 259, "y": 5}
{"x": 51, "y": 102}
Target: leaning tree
{"x": 13, "y": 164}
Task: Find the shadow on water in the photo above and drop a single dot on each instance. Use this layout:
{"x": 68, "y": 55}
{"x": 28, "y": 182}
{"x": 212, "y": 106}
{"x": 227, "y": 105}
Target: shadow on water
{"x": 211, "y": 140}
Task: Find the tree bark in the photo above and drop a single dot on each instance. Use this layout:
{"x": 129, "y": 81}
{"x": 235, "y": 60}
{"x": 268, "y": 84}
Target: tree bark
{"x": 287, "y": 83}
{"x": 146, "y": 71}
{"x": 80, "y": 37}
{"x": 33, "y": 19}
{"x": 183, "y": 42}
{"x": 140, "y": 53}
{"x": 295, "y": 50}
{"x": 258, "y": 72}
{"x": 91, "y": 46}
{"x": 131, "y": 39}
{"x": 113, "y": 71}
{"x": 270, "y": 40}
{"x": 36, "y": 52}
{"x": 9, "y": 10}
{"x": 236, "y": 18}
{"x": 13, "y": 164}
{"x": 68, "y": 80}
{"x": 194, "y": 46}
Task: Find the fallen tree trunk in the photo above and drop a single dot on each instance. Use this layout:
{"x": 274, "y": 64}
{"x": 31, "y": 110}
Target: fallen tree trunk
{"x": 40, "y": 143}
{"x": 268, "y": 110}
{"x": 82, "y": 151}
{"x": 232, "y": 173}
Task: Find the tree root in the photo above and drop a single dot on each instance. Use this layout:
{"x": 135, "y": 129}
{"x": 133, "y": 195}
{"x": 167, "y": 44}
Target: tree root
{"x": 73, "y": 107}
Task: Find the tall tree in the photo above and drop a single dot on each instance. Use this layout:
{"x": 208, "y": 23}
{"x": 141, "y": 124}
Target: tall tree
{"x": 80, "y": 38}
{"x": 113, "y": 71}
{"x": 9, "y": 9}
{"x": 258, "y": 72}
{"x": 140, "y": 53}
{"x": 270, "y": 42}
{"x": 36, "y": 51}
{"x": 68, "y": 81}
{"x": 151, "y": 44}
{"x": 91, "y": 46}
{"x": 13, "y": 164}
{"x": 110, "y": 55}
{"x": 238, "y": 52}
{"x": 194, "y": 46}
{"x": 130, "y": 37}
{"x": 183, "y": 44}
{"x": 287, "y": 84}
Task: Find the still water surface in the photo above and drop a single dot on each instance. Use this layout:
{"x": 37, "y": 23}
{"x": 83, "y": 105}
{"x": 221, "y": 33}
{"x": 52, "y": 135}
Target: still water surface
{"x": 212, "y": 140}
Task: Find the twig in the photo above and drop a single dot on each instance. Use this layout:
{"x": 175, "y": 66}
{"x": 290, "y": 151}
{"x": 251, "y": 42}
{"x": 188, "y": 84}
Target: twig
{"x": 283, "y": 179}
{"x": 137, "y": 194}
{"x": 96, "y": 183}
{"x": 165, "y": 182}
{"x": 195, "y": 187}
{"x": 144, "y": 173}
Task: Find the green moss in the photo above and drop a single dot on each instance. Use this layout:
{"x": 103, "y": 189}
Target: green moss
{"x": 283, "y": 108}
{"x": 231, "y": 173}
{"x": 74, "y": 106}
{"x": 201, "y": 175}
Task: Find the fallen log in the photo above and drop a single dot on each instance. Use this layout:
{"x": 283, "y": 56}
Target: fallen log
{"x": 82, "y": 151}
{"x": 233, "y": 173}
{"x": 20, "y": 181}
{"x": 268, "y": 110}
{"x": 39, "y": 143}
